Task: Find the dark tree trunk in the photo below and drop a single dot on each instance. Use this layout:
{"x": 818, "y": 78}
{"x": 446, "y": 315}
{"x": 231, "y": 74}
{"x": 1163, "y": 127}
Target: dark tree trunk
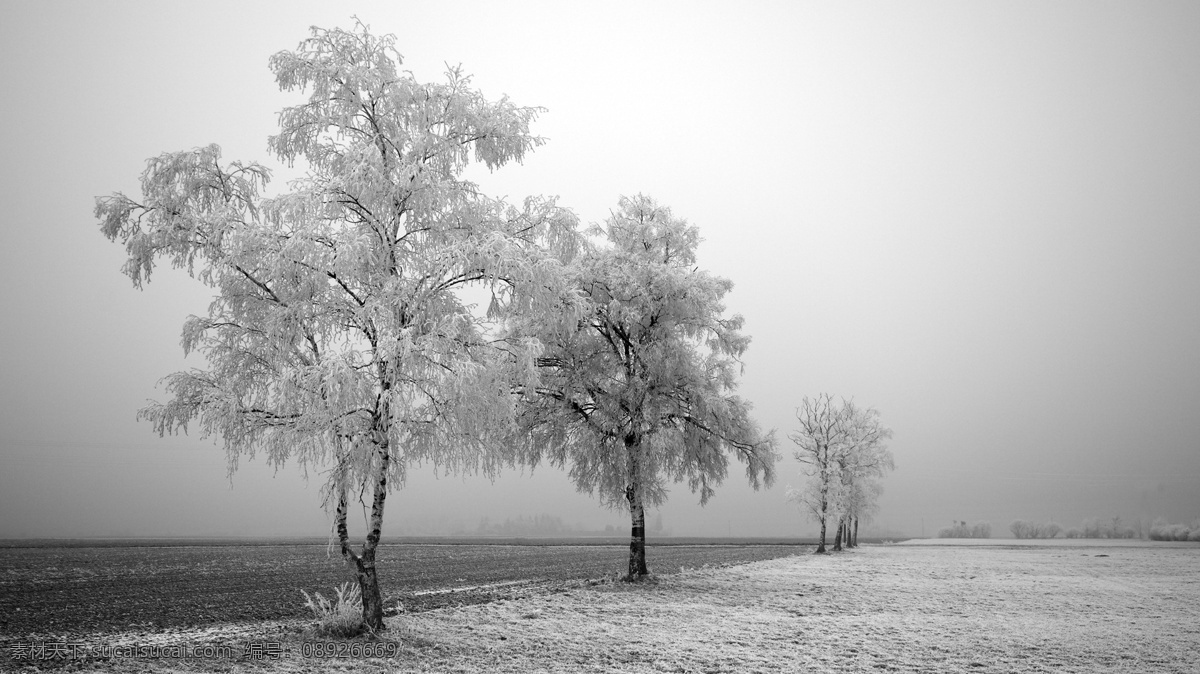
{"x": 368, "y": 579}
{"x": 368, "y": 585}
{"x": 637, "y": 510}
{"x": 637, "y": 535}
{"x": 854, "y": 538}
{"x": 823, "y": 518}
{"x": 837, "y": 539}
{"x": 364, "y": 561}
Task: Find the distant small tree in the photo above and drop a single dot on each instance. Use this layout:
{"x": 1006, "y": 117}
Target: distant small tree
{"x": 640, "y": 390}
{"x": 843, "y": 453}
{"x": 338, "y": 337}
{"x": 818, "y": 440}
{"x": 1022, "y": 529}
{"x": 861, "y": 465}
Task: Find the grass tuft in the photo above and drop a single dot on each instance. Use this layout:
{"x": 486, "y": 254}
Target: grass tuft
{"x": 341, "y": 617}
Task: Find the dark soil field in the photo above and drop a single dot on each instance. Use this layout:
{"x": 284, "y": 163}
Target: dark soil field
{"x": 88, "y": 586}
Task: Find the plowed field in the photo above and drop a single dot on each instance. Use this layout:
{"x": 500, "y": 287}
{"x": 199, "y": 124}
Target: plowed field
{"x": 65, "y": 590}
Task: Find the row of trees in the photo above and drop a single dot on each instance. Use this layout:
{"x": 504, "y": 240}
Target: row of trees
{"x": 844, "y": 457}
{"x": 1090, "y": 528}
{"x": 1025, "y": 529}
{"x": 340, "y": 336}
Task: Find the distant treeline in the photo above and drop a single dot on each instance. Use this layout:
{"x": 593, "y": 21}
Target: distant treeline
{"x": 1090, "y": 528}
{"x": 538, "y": 525}
{"x": 1161, "y": 530}
{"x": 547, "y": 525}
{"x": 1114, "y": 528}
{"x": 964, "y": 530}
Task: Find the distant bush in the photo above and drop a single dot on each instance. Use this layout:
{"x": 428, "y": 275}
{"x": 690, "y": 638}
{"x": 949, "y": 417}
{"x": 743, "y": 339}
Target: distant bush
{"x": 1023, "y": 529}
{"x": 1162, "y": 531}
{"x": 963, "y": 530}
{"x": 340, "y": 618}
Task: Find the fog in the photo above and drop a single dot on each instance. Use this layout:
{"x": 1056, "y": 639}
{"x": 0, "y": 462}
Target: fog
{"x": 980, "y": 219}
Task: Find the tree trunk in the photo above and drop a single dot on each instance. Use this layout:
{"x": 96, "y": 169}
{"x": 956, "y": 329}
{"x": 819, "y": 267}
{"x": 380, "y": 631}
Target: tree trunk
{"x": 637, "y": 535}
{"x": 364, "y": 561}
{"x": 854, "y": 538}
{"x": 821, "y": 541}
{"x": 823, "y": 517}
{"x": 637, "y": 511}
{"x": 368, "y": 579}
{"x": 837, "y": 539}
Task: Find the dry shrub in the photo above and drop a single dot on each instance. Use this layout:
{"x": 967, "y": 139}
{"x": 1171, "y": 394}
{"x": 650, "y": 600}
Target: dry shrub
{"x": 341, "y": 617}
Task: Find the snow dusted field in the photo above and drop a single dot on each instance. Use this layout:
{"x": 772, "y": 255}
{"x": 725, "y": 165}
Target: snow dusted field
{"x": 881, "y": 608}
{"x": 930, "y": 606}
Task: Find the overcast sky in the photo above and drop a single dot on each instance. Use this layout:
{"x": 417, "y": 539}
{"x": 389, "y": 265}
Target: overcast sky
{"x": 982, "y": 219}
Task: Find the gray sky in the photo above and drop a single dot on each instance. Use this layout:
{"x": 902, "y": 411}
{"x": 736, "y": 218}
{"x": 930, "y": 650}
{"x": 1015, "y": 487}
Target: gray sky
{"x": 979, "y": 218}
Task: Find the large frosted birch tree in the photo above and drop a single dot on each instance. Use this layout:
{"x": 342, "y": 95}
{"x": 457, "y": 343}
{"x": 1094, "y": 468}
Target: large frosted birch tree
{"x": 640, "y": 391}
{"x": 338, "y": 336}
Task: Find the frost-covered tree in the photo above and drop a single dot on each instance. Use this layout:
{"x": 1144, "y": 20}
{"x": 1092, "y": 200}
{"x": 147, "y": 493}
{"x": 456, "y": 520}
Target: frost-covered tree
{"x": 861, "y": 465}
{"x": 640, "y": 390}
{"x": 842, "y": 451}
{"x": 818, "y": 440}
{"x": 338, "y": 336}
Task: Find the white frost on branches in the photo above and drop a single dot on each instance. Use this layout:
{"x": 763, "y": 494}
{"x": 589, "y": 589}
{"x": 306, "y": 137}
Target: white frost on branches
{"x": 338, "y": 336}
{"x": 842, "y": 451}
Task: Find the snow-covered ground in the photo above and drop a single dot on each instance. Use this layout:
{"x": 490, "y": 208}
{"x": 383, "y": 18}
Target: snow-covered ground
{"x": 911, "y": 608}
{"x": 1052, "y": 542}
{"x": 879, "y": 608}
